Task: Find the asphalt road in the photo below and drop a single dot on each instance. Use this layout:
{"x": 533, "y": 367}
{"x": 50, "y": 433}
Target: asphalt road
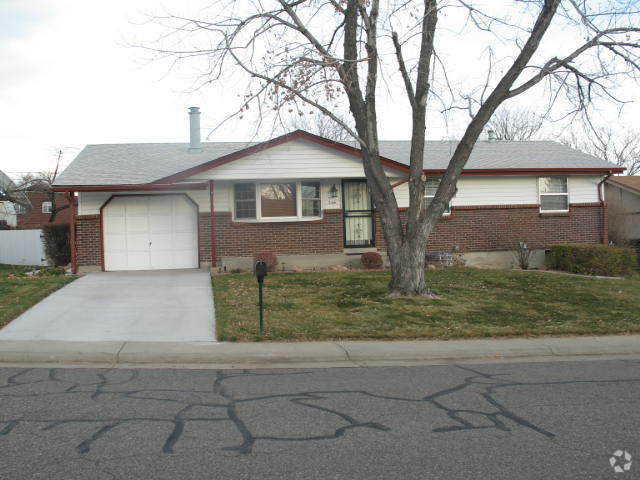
{"x": 495, "y": 421}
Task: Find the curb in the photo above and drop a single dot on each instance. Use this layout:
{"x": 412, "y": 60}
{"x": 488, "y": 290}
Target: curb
{"x": 310, "y": 354}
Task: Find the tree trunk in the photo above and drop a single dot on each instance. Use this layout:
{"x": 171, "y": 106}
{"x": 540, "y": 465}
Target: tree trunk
{"x": 407, "y": 270}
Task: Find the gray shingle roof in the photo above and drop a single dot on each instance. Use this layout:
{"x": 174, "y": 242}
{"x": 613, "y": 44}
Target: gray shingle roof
{"x": 137, "y": 163}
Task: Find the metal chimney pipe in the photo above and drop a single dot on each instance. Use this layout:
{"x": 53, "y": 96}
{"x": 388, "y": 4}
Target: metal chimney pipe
{"x": 194, "y": 129}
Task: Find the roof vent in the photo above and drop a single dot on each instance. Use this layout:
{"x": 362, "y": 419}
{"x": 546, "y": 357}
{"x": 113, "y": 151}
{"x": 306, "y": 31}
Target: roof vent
{"x": 194, "y": 130}
{"x": 491, "y": 135}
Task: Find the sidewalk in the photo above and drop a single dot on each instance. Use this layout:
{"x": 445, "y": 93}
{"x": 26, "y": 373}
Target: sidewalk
{"x": 311, "y": 354}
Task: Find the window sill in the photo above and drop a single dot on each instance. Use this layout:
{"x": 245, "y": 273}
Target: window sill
{"x": 248, "y": 221}
{"x": 557, "y": 213}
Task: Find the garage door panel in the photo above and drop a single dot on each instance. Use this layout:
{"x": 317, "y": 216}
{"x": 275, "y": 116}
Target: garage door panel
{"x": 137, "y": 242}
{"x": 150, "y": 232}
{"x": 136, "y": 204}
{"x": 137, "y": 260}
{"x": 160, "y": 205}
{"x": 115, "y": 224}
{"x": 161, "y": 261}
{"x": 115, "y": 242}
{"x": 184, "y": 224}
{"x": 160, "y": 224}
{"x": 183, "y": 241}
{"x": 116, "y": 209}
{"x": 161, "y": 242}
{"x": 183, "y": 259}
{"x": 117, "y": 261}
{"x": 182, "y": 205}
{"x": 137, "y": 223}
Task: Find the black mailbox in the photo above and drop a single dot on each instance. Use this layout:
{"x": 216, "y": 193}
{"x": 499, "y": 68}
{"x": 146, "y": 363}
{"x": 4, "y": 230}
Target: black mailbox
{"x": 260, "y": 270}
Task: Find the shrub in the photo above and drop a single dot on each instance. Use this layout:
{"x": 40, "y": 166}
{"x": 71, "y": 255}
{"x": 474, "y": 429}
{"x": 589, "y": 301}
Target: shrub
{"x": 522, "y": 254}
{"x": 56, "y": 243}
{"x": 267, "y": 257}
{"x": 371, "y": 260}
{"x": 592, "y": 259}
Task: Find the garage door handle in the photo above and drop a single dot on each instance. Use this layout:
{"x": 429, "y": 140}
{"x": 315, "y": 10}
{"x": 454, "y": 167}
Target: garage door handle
{"x": 150, "y": 243}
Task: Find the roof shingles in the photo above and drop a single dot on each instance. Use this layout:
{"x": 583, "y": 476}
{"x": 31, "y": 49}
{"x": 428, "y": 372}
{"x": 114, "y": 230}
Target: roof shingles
{"x": 140, "y": 163}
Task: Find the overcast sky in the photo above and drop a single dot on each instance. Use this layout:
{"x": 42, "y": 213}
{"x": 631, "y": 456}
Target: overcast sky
{"x": 68, "y": 77}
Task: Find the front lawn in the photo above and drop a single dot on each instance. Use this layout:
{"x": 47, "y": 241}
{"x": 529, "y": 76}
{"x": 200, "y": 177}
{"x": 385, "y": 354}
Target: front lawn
{"x": 472, "y": 303}
{"x": 19, "y": 292}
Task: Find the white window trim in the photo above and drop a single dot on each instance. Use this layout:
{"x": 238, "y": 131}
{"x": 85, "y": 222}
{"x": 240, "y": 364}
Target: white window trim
{"x": 567, "y": 193}
{"x": 447, "y": 212}
{"x": 49, "y": 204}
{"x": 260, "y": 219}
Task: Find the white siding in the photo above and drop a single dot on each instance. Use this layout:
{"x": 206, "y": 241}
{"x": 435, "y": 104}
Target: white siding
{"x": 89, "y": 203}
{"x": 295, "y": 159}
{"x": 222, "y": 196}
{"x": 583, "y": 189}
{"x": 509, "y": 190}
{"x": 476, "y": 190}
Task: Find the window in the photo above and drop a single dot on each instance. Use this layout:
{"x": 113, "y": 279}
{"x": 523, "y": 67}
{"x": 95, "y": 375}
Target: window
{"x": 245, "y": 200}
{"x": 277, "y": 200}
{"x": 430, "y": 189}
{"x": 554, "y": 194}
{"x": 46, "y": 207}
{"x": 310, "y": 193}
{"x": 19, "y": 208}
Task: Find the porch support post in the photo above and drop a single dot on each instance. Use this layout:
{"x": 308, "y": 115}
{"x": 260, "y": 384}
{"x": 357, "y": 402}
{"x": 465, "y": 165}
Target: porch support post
{"x": 72, "y": 233}
{"x": 213, "y": 225}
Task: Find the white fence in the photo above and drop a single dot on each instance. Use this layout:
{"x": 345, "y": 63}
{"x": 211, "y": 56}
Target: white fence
{"x": 22, "y": 247}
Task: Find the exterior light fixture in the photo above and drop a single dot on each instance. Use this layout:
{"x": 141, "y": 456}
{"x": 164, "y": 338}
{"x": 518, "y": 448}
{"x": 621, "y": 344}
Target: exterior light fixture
{"x": 333, "y": 191}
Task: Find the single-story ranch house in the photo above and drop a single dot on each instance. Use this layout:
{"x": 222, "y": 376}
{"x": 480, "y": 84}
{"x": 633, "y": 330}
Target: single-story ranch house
{"x": 304, "y": 198}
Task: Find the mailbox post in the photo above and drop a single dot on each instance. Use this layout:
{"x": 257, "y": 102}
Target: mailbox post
{"x": 261, "y": 272}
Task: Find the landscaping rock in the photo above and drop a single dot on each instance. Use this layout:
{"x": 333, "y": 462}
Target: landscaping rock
{"x": 338, "y": 268}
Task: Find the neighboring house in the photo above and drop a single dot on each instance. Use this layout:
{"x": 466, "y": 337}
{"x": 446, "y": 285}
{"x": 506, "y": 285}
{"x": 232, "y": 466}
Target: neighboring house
{"x": 8, "y": 216}
{"x": 623, "y": 198}
{"x": 39, "y": 214}
{"x": 304, "y": 198}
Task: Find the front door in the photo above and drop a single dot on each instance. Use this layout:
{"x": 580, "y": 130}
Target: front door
{"x": 358, "y": 214}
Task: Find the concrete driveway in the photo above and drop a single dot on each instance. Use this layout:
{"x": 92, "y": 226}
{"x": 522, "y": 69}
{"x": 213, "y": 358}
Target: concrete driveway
{"x": 160, "y": 305}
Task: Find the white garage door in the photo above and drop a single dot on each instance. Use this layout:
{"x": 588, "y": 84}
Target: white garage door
{"x": 150, "y": 232}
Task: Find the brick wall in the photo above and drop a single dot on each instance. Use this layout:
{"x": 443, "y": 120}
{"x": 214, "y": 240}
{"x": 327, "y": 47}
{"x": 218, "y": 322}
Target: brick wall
{"x": 474, "y": 229}
{"x": 34, "y": 218}
{"x": 204, "y": 237}
{"x": 493, "y": 228}
{"x": 239, "y": 239}
{"x": 88, "y": 240}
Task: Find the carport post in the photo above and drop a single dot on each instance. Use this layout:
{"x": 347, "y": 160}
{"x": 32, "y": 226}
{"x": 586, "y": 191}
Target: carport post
{"x": 213, "y": 224}
{"x": 72, "y": 232}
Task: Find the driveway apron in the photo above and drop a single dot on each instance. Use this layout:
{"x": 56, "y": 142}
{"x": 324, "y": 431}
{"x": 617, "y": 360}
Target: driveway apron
{"x": 160, "y": 305}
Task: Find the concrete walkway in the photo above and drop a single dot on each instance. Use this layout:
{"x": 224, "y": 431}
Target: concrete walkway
{"x": 314, "y": 354}
{"x": 150, "y": 306}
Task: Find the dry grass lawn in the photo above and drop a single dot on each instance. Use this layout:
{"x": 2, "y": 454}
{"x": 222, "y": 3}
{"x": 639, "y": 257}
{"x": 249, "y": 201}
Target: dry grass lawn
{"x": 19, "y": 293}
{"x": 472, "y": 303}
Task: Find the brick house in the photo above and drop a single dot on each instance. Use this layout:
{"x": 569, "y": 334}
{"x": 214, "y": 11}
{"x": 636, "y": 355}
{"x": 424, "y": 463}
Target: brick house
{"x": 39, "y": 214}
{"x": 304, "y": 198}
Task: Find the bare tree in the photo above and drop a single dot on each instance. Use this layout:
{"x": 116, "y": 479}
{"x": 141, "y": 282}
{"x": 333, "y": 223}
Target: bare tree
{"x": 321, "y": 125}
{"x": 515, "y": 124}
{"x": 620, "y": 146}
{"x": 301, "y": 54}
{"x": 41, "y": 183}
{"x": 10, "y": 192}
